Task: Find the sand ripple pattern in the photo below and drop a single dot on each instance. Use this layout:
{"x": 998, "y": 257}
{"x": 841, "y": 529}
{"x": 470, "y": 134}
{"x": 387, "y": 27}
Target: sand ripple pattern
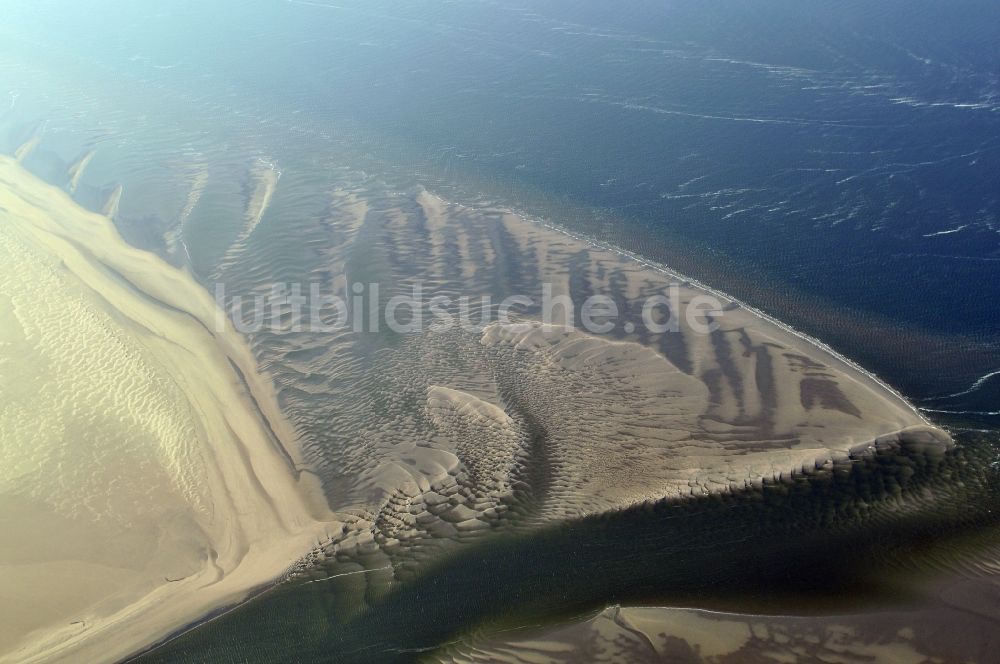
{"x": 143, "y": 478}
{"x": 447, "y": 435}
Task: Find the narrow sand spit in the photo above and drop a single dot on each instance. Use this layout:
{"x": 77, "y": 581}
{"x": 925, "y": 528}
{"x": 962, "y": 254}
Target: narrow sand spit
{"x": 146, "y": 474}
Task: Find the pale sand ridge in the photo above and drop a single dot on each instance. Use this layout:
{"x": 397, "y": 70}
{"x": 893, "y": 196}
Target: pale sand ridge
{"x": 141, "y": 485}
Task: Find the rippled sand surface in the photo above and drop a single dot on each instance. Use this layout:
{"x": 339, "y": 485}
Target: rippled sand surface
{"x": 144, "y": 478}
{"x": 455, "y": 457}
{"x": 438, "y": 440}
{"x": 424, "y": 443}
{"x": 446, "y": 495}
{"x": 447, "y": 433}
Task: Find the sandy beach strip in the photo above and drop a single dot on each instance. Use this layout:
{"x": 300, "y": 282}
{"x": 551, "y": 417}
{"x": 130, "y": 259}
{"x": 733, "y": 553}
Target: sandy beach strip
{"x": 147, "y": 477}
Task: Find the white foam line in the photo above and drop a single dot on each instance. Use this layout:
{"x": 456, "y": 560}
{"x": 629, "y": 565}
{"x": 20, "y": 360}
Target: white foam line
{"x": 709, "y": 612}
{"x": 981, "y": 259}
{"x": 948, "y": 232}
{"x": 193, "y": 626}
{"x": 962, "y": 412}
{"x": 728, "y": 118}
{"x": 975, "y": 386}
{"x": 217, "y": 616}
{"x": 363, "y": 571}
{"x": 663, "y": 269}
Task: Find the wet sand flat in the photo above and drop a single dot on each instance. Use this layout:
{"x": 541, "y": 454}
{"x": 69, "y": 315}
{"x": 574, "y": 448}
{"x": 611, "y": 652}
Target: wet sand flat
{"x": 147, "y": 476}
{"x": 444, "y": 441}
{"x": 152, "y": 443}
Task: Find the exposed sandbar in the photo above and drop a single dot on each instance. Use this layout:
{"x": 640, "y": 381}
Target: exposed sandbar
{"x": 144, "y": 481}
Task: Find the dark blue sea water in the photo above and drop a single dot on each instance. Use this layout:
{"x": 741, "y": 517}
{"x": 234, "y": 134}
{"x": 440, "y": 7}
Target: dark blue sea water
{"x": 835, "y": 164}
